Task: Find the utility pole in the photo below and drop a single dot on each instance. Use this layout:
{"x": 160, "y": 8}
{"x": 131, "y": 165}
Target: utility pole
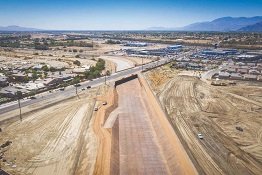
{"x": 107, "y": 74}
{"x": 19, "y": 96}
{"x": 76, "y": 88}
{"x": 142, "y": 63}
{"x": 76, "y": 81}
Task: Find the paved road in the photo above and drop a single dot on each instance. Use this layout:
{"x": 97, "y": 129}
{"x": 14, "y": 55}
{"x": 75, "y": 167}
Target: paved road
{"x": 70, "y": 91}
{"x": 208, "y": 75}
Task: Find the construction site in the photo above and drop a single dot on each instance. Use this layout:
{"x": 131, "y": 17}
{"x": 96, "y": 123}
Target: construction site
{"x": 164, "y": 121}
{"x": 219, "y": 126}
{"x": 51, "y": 137}
{"x": 134, "y": 135}
{"x": 128, "y": 134}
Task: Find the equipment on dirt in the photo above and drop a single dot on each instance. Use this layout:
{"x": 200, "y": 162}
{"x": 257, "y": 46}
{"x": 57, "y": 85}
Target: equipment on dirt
{"x": 200, "y": 136}
{"x": 239, "y": 128}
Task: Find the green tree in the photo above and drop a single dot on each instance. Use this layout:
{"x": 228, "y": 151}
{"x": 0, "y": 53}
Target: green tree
{"x": 34, "y": 75}
{"x": 45, "y": 68}
{"x": 76, "y": 62}
{"x": 52, "y": 69}
{"x": 45, "y": 74}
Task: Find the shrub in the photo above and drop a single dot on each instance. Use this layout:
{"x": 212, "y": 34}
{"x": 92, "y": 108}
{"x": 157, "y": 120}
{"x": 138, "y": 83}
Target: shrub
{"x": 76, "y": 62}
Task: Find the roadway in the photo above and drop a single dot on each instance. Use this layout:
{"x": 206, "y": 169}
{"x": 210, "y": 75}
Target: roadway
{"x": 71, "y": 91}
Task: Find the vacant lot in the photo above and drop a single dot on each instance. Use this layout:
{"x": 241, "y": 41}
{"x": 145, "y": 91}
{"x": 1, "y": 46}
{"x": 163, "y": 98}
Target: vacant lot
{"x": 52, "y": 140}
{"x": 229, "y": 122}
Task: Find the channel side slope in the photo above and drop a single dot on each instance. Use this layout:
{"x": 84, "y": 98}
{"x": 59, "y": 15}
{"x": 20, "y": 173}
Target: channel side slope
{"x": 147, "y": 143}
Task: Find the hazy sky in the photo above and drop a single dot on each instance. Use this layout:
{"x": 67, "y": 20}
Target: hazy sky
{"x": 116, "y": 14}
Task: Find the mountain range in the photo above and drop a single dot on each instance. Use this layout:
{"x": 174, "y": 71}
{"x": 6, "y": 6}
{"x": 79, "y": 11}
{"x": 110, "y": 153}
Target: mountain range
{"x": 224, "y": 24}
{"x": 15, "y": 28}
{"x": 252, "y": 28}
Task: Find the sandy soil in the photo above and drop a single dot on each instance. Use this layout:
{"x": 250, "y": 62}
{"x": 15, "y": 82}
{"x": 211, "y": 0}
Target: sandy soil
{"x": 160, "y": 76}
{"x": 104, "y": 136}
{"x": 120, "y": 62}
{"x": 194, "y": 106}
{"x": 51, "y": 140}
{"x": 247, "y": 89}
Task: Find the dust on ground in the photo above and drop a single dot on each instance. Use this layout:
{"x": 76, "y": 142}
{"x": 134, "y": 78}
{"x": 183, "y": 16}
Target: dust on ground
{"x": 229, "y": 118}
{"x": 52, "y": 140}
{"x": 160, "y": 76}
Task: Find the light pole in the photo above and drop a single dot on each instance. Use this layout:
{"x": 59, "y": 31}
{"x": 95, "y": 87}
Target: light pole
{"x": 19, "y": 96}
{"x": 107, "y": 74}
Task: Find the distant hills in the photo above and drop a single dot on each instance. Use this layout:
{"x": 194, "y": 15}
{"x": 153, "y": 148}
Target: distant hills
{"x": 252, "y": 28}
{"x": 224, "y": 24}
{"x": 15, "y": 28}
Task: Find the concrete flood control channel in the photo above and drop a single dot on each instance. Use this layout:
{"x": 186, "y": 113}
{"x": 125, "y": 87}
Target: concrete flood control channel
{"x": 141, "y": 143}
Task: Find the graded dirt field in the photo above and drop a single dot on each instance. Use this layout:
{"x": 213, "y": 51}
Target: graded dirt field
{"x": 229, "y": 122}
{"x": 56, "y": 140}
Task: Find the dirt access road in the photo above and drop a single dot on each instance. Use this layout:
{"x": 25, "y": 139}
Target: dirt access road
{"x": 143, "y": 141}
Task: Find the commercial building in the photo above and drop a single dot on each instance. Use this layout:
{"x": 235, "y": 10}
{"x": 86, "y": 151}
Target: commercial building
{"x": 10, "y": 91}
{"x": 136, "y": 44}
{"x": 217, "y": 52}
{"x": 174, "y": 47}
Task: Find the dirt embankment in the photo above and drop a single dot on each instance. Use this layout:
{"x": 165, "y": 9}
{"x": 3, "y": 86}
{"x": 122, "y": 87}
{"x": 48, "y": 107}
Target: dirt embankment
{"x": 102, "y": 165}
{"x": 230, "y": 124}
{"x": 160, "y": 76}
{"x": 50, "y": 140}
{"x": 177, "y": 159}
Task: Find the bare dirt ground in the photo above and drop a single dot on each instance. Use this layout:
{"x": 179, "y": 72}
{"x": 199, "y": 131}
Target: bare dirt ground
{"x": 120, "y": 62}
{"x": 102, "y": 163}
{"x": 160, "y": 76}
{"x": 54, "y": 140}
{"x": 249, "y": 90}
{"x": 193, "y": 107}
{"x": 138, "y": 60}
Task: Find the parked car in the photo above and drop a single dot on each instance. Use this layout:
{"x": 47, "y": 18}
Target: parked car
{"x": 96, "y": 109}
{"x": 88, "y": 87}
{"x": 105, "y": 103}
{"x": 77, "y": 85}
